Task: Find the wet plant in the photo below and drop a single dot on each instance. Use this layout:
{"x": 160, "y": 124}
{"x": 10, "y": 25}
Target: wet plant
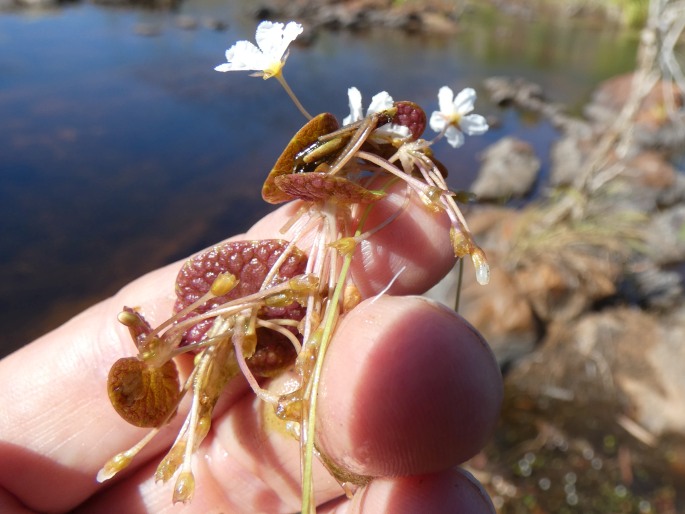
{"x": 258, "y": 308}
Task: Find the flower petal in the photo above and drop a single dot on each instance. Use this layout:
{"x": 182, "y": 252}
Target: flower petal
{"x": 292, "y": 30}
{"x": 380, "y": 102}
{"x": 356, "y": 111}
{"x": 454, "y": 136}
{"x": 269, "y": 37}
{"x": 273, "y": 38}
{"x": 387, "y": 133}
{"x": 464, "y": 101}
{"x": 437, "y": 121}
{"x": 445, "y": 97}
{"x": 473, "y": 125}
{"x": 243, "y": 56}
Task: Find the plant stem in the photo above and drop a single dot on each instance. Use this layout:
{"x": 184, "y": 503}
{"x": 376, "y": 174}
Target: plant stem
{"x": 460, "y": 276}
{"x": 281, "y": 79}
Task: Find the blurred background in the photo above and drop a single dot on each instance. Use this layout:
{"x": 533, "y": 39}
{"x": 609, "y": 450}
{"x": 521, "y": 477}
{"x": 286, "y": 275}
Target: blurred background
{"x": 122, "y": 150}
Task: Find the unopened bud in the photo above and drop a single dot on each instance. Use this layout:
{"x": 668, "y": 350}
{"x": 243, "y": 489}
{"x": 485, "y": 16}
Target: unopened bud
{"x": 433, "y": 194}
{"x": 171, "y": 462}
{"x": 203, "y": 426}
{"x": 223, "y": 284}
{"x": 279, "y": 300}
{"x": 184, "y": 488}
{"x": 460, "y": 243}
{"x": 114, "y": 465}
{"x": 481, "y": 264}
{"x": 129, "y": 319}
{"x": 351, "y": 297}
{"x": 344, "y": 245}
{"x": 289, "y": 410}
{"x": 307, "y": 283}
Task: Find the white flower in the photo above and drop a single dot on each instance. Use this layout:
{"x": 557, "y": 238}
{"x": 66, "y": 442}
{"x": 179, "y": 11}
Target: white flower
{"x": 380, "y": 102}
{"x": 273, "y": 40}
{"x": 454, "y": 119}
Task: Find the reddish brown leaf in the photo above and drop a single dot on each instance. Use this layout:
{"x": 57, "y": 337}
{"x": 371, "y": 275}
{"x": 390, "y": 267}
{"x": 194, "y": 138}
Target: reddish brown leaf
{"x": 143, "y": 395}
{"x": 320, "y": 125}
{"x": 411, "y": 116}
{"x": 249, "y": 261}
{"x": 321, "y": 186}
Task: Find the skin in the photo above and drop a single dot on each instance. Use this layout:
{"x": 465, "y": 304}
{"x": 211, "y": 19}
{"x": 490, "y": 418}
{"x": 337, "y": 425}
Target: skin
{"x": 408, "y": 392}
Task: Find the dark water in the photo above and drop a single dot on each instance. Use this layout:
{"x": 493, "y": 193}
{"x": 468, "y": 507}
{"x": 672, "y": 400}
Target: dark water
{"x": 120, "y": 152}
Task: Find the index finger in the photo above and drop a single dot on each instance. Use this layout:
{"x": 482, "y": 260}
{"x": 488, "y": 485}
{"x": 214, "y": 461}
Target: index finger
{"x": 413, "y": 251}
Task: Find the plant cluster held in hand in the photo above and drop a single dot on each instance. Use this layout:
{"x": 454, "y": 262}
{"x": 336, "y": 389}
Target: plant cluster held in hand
{"x": 260, "y": 307}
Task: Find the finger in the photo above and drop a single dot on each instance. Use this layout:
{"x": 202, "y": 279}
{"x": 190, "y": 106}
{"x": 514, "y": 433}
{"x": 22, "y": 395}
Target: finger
{"x": 412, "y": 388}
{"x": 447, "y": 491}
{"x": 413, "y": 252}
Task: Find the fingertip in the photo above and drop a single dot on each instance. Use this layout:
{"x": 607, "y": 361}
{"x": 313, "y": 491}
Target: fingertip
{"x": 408, "y": 387}
{"x": 414, "y": 249}
{"x": 447, "y": 491}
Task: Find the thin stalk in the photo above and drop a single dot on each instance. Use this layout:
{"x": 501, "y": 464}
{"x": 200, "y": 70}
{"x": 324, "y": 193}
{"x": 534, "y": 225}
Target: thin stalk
{"x": 308, "y": 505}
{"x": 281, "y": 79}
{"x": 331, "y": 317}
{"x": 460, "y": 276}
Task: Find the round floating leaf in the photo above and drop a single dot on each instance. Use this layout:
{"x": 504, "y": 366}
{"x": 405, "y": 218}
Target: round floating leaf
{"x": 143, "y": 395}
{"x": 250, "y": 262}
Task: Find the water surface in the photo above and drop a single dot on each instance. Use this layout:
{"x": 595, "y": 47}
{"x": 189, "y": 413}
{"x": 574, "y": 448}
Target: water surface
{"x": 120, "y": 152}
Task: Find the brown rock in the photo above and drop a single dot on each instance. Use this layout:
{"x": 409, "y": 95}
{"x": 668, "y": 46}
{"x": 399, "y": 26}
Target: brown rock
{"x": 509, "y": 169}
{"x": 623, "y": 357}
{"x": 651, "y": 169}
{"x": 563, "y": 286}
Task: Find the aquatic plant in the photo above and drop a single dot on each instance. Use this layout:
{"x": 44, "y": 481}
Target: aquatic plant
{"x": 260, "y": 307}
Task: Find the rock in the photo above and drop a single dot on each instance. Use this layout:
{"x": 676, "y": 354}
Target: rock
{"x": 563, "y": 284}
{"x": 437, "y": 23}
{"x": 623, "y": 196}
{"x": 507, "y": 90}
{"x": 215, "y": 24}
{"x": 186, "y": 22}
{"x": 529, "y": 95}
{"x": 567, "y": 158}
{"x": 674, "y": 194}
{"x": 509, "y": 169}
{"x": 501, "y": 314}
{"x": 650, "y": 169}
{"x": 653, "y": 128}
{"x": 665, "y": 236}
{"x": 364, "y": 14}
{"x": 650, "y": 287}
{"x": 640, "y": 184}
{"x": 637, "y": 185}
{"x": 37, "y": 3}
{"x": 625, "y": 358}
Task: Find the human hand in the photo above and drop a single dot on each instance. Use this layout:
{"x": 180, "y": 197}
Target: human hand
{"x": 409, "y": 390}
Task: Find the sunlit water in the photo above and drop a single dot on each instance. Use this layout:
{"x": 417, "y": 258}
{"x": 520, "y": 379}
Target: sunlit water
{"x": 121, "y": 152}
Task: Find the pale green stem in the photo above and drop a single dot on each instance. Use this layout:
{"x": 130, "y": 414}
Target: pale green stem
{"x": 460, "y": 276}
{"x": 281, "y": 79}
{"x": 331, "y": 316}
